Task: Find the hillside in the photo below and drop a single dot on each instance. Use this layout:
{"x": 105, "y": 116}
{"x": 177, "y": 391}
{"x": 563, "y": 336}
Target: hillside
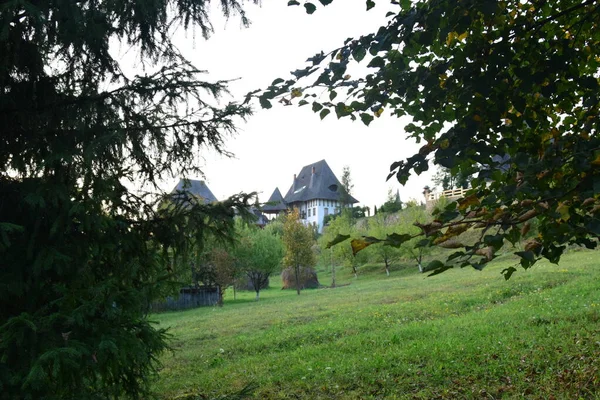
{"x": 462, "y": 334}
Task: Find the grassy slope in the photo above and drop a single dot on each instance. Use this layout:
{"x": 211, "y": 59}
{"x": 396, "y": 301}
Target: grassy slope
{"x": 461, "y": 334}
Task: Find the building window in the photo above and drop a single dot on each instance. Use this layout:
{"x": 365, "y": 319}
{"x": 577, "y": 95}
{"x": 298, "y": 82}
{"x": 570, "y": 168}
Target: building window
{"x": 309, "y": 212}
{"x": 315, "y": 212}
{"x": 325, "y": 212}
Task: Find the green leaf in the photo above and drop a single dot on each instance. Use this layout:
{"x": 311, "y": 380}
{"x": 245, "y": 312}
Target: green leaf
{"x": 293, "y": 3}
{"x": 316, "y": 59}
{"x": 342, "y": 110}
{"x": 377, "y": 62}
{"x": 264, "y": 103}
{"x": 316, "y": 106}
{"x": 277, "y": 81}
{"x": 332, "y": 94}
{"x": 370, "y": 4}
{"x": 302, "y": 103}
{"x": 310, "y": 8}
{"x": 527, "y": 258}
{"x": 359, "y": 53}
{"x": 396, "y": 239}
{"x": 325, "y": 2}
{"x": 324, "y": 113}
{"x": 437, "y": 267}
{"x": 338, "y": 239}
{"x": 496, "y": 241}
{"x": 593, "y": 226}
{"x": 507, "y": 272}
{"x": 366, "y": 118}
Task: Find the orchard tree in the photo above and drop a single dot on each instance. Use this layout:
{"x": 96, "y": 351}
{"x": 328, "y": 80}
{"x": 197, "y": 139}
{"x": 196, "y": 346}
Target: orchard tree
{"x": 342, "y": 225}
{"x": 298, "y": 241}
{"x": 82, "y": 254}
{"x": 221, "y": 269}
{"x": 382, "y": 225}
{"x": 506, "y": 90}
{"x": 258, "y": 254}
{"x": 412, "y": 217}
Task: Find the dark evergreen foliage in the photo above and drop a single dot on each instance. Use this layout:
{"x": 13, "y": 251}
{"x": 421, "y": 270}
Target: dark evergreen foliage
{"x": 81, "y": 254}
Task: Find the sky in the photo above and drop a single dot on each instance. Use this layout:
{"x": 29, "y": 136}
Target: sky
{"x": 275, "y": 144}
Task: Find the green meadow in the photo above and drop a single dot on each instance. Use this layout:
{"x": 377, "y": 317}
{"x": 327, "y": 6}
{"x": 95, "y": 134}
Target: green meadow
{"x": 461, "y": 334}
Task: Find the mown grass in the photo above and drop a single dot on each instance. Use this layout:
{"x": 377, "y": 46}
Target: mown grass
{"x": 462, "y": 334}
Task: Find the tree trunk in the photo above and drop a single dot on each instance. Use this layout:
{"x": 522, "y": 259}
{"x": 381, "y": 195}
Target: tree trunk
{"x": 257, "y": 295}
{"x": 387, "y": 266}
{"x": 332, "y": 276}
{"x": 220, "y": 301}
{"x": 234, "y": 292}
{"x": 297, "y": 273}
{"x": 332, "y": 270}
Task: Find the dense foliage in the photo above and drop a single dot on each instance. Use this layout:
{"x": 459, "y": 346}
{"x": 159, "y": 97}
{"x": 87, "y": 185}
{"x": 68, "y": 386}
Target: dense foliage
{"x": 81, "y": 253}
{"x": 504, "y": 89}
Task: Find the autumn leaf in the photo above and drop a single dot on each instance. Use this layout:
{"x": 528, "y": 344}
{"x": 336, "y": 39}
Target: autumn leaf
{"x": 467, "y": 202}
{"x": 525, "y": 228}
{"x": 563, "y": 210}
{"x": 451, "y": 244}
{"x": 528, "y": 215}
{"x": 487, "y": 252}
{"x": 359, "y": 245}
{"x": 296, "y": 93}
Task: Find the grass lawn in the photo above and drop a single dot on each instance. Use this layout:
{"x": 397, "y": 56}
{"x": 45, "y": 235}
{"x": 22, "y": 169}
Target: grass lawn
{"x": 461, "y": 334}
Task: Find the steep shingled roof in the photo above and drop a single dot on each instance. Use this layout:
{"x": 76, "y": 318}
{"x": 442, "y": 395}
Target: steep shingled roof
{"x": 275, "y": 203}
{"x": 322, "y": 184}
{"x": 195, "y": 187}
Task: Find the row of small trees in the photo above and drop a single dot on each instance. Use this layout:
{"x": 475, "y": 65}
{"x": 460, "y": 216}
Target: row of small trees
{"x": 380, "y": 225}
{"x": 253, "y": 256}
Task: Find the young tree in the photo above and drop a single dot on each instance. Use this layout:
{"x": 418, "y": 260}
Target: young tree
{"x": 382, "y": 225}
{"x": 298, "y": 241}
{"x": 342, "y": 225}
{"x": 224, "y": 270}
{"x": 82, "y": 253}
{"x": 504, "y": 89}
{"x": 258, "y": 254}
{"x": 411, "y": 217}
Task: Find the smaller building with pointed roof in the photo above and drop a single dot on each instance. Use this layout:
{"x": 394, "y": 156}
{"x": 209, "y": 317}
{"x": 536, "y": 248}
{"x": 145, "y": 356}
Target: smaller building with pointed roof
{"x": 193, "y": 187}
{"x": 275, "y": 204}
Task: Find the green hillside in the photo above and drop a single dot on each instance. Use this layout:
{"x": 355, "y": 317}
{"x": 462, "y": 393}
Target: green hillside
{"x": 462, "y": 334}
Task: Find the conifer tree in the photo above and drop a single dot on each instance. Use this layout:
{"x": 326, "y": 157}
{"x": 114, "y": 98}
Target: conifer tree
{"x": 81, "y": 253}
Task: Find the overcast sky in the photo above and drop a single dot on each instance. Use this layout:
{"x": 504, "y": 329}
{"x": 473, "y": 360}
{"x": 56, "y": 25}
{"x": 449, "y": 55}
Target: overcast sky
{"x": 275, "y": 144}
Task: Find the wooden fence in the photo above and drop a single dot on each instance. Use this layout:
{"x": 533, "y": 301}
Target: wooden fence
{"x": 452, "y": 194}
{"x": 188, "y": 298}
